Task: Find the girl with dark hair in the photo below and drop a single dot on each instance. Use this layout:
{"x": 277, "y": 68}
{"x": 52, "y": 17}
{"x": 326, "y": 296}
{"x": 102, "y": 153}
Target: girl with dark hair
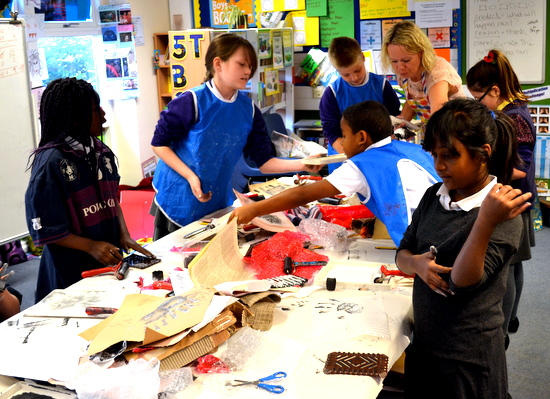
{"x": 72, "y": 199}
{"x": 493, "y": 82}
{"x": 203, "y": 133}
{"x": 459, "y": 246}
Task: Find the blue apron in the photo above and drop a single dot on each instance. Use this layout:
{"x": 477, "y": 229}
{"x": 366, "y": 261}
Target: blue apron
{"x": 387, "y": 201}
{"x": 211, "y": 149}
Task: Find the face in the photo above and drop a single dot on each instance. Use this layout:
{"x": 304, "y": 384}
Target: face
{"x": 490, "y": 98}
{"x": 234, "y": 73}
{"x": 350, "y": 140}
{"x": 405, "y": 64}
{"x": 354, "y": 74}
{"x": 98, "y": 119}
{"x": 462, "y": 174}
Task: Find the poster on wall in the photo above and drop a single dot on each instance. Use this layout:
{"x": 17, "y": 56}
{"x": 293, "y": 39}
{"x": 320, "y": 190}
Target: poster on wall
{"x": 121, "y": 70}
{"x": 220, "y": 8}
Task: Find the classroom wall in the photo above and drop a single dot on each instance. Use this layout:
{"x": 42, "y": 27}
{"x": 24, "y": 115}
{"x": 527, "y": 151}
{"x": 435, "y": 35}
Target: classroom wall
{"x": 133, "y": 121}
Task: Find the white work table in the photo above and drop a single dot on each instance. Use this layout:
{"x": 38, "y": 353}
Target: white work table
{"x": 305, "y": 330}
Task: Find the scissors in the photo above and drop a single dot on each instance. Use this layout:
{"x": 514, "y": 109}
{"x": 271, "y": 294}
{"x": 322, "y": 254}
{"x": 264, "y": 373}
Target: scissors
{"x": 268, "y": 387}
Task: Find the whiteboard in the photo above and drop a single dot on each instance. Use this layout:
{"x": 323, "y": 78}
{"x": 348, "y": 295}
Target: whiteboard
{"x": 516, "y": 27}
{"x": 17, "y": 130}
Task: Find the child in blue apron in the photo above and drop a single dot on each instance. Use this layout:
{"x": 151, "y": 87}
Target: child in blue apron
{"x": 203, "y": 133}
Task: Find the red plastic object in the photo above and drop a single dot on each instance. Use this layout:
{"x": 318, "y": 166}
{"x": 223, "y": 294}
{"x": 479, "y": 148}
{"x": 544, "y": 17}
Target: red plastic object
{"x": 267, "y": 259}
{"x": 211, "y": 364}
{"x": 343, "y": 215}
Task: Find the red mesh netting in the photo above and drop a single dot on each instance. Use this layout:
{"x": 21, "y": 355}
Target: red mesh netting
{"x": 267, "y": 258}
{"x": 343, "y": 215}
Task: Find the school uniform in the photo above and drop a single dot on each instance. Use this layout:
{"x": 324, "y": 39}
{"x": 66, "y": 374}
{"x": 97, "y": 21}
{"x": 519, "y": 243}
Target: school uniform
{"x": 209, "y": 134}
{"x": 457, "y": 351}
{"x": 72, "y": 189}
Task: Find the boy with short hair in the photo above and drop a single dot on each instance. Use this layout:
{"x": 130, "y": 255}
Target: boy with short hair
{"x": 389, "y": 176}
{"x": 354, "y": 85}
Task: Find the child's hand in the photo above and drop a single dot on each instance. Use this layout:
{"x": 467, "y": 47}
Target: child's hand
{"x": 127, "y": 244}
{"x": 429, "y": 271}
{"x": 195, "y": 184}
{"x": 503, "y": 203}
{"x": 244, "y": 214}
{"x": 104, "y": 252}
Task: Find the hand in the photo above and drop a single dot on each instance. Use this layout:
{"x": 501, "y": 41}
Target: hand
{"x": 244, "y": 214}
{"x": 104, "y": 252}
{"x": 503, "y": 203}
{"x": 5, "y": 277}
{"x": 195, "y": 184}
{"x": 127, "y": 244}
{"x": 429, "y": 271}
{"x": 313, "y": 168}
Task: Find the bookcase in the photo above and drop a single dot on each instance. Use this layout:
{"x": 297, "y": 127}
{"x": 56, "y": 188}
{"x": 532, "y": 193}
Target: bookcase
{"x": 162, "y": 69}
{"x": 181, "y": 66}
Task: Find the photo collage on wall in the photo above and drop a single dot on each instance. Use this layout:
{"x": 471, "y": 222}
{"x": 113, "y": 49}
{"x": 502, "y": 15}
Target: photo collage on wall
{"x": 119, "y": 51}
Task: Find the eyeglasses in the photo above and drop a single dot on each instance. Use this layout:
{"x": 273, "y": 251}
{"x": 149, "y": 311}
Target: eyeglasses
{"x": 484, "y": 94}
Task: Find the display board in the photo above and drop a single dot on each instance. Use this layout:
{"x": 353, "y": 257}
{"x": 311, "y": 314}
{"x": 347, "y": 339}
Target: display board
{"x": 17, "y": 129}
{"x": 516, "y": 27}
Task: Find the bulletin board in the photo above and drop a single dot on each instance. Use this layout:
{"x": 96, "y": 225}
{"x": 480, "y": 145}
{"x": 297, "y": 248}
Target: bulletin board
{"x": 516, "y": 27}
{"x": 17, "y": 129}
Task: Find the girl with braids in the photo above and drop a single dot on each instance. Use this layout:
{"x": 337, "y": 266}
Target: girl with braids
{"x": 493, "y": 82}
{"x": 203, "y": 133}
{"x": 71, "y": 201}
{"x": 459, "y": 246}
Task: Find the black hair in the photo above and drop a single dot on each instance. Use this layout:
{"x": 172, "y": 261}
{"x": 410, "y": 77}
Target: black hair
{"x": 474, "y": 125}
{"x": 224, "y": 46}
{"x": 370, "y": 116}
{"x": 66, "y": 110}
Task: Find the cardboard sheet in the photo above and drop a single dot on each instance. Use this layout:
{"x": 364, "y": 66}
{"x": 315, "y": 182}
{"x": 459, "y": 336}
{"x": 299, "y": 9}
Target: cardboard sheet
{"x": 145, "y": 319}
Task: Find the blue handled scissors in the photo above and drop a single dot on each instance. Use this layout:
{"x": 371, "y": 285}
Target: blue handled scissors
{"x": 260, "y": 383}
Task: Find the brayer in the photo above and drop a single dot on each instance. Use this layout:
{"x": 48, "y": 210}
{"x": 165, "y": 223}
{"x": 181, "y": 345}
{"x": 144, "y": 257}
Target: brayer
{"x": 120, "y": 271}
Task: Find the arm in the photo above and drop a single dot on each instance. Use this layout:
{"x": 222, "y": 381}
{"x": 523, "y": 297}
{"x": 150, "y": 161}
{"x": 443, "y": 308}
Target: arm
{"x": 438, "y": 95}
{"x": 173, "y": 161}
{"x": 390, "y": 99}
{"x": 288, "y": 199}
{"x": 407, "y": 112}
{"x": 173, "y": 126}
{"x": 501, "y": 204}
{"x": 330, "y": 117}
{"x": 278, "y": 165}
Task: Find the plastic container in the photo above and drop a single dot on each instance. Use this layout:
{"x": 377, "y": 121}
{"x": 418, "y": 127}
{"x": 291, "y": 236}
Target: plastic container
{"x": 190, "y": 250}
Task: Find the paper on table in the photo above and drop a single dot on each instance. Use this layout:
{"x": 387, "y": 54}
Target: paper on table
{"x": 220, "y": 261}
{"x": 370, "y": 320}
{"x": 73, "y": 303}
{"x": 240, "y": 288}
{"x": 274, "y": 222}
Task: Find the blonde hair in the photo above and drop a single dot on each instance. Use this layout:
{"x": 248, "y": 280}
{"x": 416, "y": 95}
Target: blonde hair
{"x": 408, "y": 35}
{"x": 344, "y": 52}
